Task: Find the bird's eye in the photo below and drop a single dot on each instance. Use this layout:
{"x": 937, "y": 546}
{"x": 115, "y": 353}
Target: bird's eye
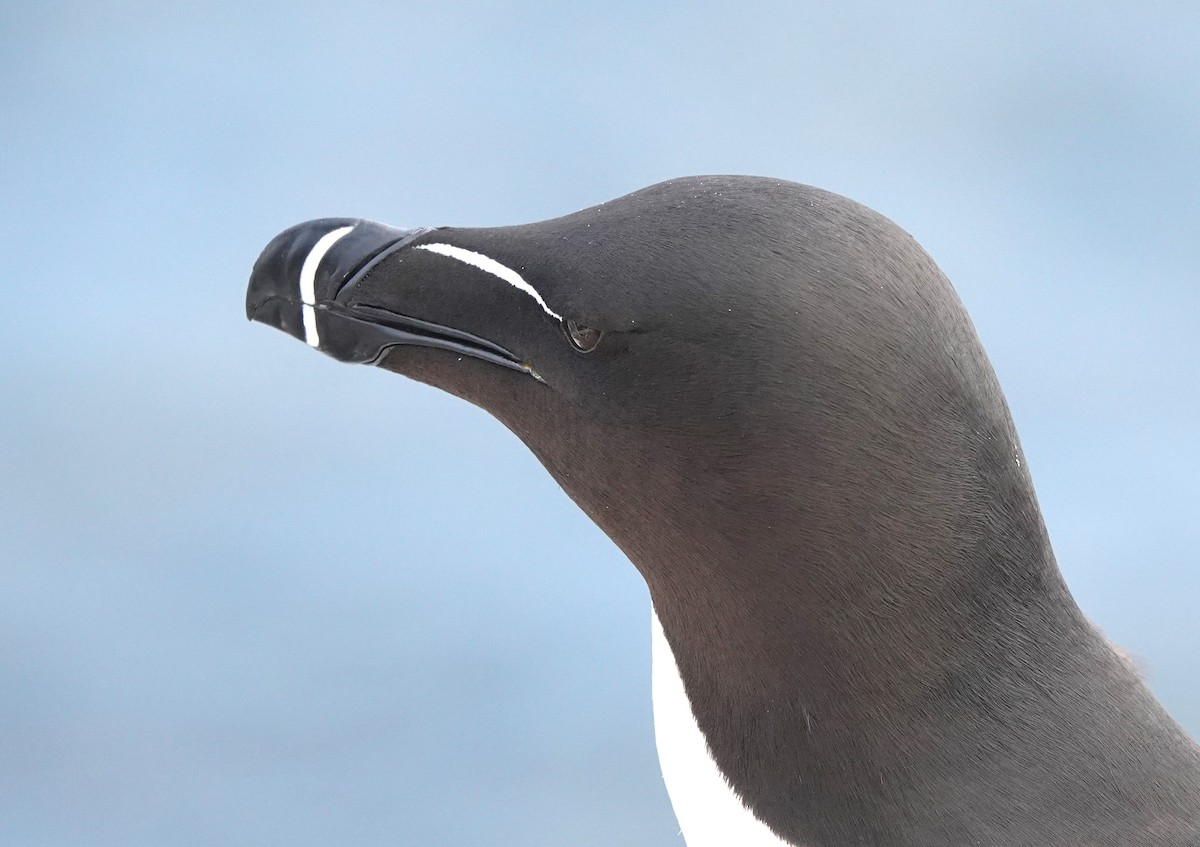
{"x": 583, "y": 338}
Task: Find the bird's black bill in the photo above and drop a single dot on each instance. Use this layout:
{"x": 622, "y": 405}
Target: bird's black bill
{"x": 303, "y": 284}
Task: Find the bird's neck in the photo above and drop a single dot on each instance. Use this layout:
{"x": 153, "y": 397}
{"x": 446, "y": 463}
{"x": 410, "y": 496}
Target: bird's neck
{"x": 981, "y": 719}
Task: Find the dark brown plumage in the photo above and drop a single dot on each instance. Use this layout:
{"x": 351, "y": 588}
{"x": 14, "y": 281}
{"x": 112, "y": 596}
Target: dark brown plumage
{"x": 791, "y": 429}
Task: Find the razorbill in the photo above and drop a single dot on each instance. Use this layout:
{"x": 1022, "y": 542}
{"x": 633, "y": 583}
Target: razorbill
{"x": 772, "y": 400}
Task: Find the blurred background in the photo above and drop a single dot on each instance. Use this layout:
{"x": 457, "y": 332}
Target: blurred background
{"x": 251, "y": 596}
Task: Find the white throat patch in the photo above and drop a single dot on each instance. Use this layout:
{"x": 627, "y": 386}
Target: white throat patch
{"x": 710, "y": 814}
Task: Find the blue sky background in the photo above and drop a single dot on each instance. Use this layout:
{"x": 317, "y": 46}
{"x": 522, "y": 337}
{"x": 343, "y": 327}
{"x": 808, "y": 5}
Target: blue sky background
{"x": 251, "y": 596}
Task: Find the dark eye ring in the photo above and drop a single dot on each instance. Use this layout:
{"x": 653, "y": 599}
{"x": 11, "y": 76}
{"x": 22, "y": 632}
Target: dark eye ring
{"x": 583, "y": 338}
